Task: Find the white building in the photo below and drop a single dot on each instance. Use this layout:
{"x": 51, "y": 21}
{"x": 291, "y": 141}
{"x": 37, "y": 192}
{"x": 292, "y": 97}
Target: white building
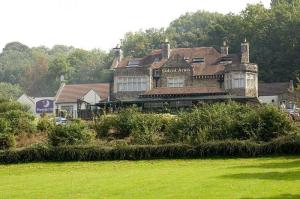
{"x": 68, "y": 97}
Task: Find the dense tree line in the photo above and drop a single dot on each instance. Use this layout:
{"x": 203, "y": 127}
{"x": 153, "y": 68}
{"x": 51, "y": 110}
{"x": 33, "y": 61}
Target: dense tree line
{"x": 37, "y": 70}
{"x": 273, "y": 34}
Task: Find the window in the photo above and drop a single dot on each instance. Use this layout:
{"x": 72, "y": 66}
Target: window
{"x": 133, "y": 63}
{"x": 175, "y": 82}
{"x": 132, "y": 84}
{"x": 198, "y": 60}
{"x": 238, "y": 81}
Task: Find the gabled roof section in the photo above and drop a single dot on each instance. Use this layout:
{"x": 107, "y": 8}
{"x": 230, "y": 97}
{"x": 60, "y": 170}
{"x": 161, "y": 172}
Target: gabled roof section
{"x": 70, "y": 93}
{"x": 176, "y": 61}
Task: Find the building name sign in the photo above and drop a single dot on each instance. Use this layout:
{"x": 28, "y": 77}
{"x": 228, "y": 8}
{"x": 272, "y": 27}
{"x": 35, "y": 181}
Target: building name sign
{"x": 44, "y": 106}
{"x": 174, "y": 70}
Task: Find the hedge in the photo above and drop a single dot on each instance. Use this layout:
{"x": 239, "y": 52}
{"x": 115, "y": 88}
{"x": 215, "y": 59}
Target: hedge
{"x": 283, "y": 146}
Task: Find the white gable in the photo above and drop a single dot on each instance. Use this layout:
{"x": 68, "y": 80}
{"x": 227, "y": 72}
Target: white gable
{"x": 27, "y": 101}
{"x": 91, "y": 97}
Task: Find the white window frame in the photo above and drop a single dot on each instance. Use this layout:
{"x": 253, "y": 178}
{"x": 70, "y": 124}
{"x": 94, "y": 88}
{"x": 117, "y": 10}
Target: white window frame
{"x": 132, "y": 83}
{"x": 175, "y": 82}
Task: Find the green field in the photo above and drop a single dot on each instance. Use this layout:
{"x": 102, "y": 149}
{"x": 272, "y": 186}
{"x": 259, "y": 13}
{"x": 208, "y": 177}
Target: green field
{"x": 263, "y": 178}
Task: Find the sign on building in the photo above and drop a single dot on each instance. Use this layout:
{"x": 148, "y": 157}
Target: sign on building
{"x": 44, "y": 106}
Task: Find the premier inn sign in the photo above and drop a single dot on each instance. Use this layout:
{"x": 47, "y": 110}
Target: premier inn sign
{"x": 44, "y": 106}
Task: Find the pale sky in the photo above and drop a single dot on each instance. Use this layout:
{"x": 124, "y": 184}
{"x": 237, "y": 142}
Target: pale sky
{"x": 92, "y": 24}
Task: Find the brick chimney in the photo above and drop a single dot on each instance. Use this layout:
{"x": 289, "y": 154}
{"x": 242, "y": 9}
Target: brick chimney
{"x": 118, "y": 56}
{"x": 245, "y": 52}
{"x": 165, "y": 49}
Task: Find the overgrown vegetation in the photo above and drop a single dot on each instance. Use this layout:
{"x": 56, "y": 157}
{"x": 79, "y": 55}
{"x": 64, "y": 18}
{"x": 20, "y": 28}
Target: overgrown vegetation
{"x": 211, "y": 129}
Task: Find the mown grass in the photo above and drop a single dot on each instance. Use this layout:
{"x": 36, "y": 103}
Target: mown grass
{"x": 260, "y": 178}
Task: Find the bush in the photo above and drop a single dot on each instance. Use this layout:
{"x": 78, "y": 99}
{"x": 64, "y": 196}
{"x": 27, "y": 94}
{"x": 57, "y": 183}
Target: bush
{"x": 229, "y": 121}
{"x": 280, "y": 146}
{"x": 7, "y": 139}
{"x": 104, "y": 125}
{"x": 20, "y": 122}
{"x": 70, "y": 134}
{"x": 45, "y": 124}
{"x": 127, "y": 121}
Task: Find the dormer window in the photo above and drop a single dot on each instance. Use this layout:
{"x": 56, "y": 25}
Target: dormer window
{"x": 198, "y": 60}
{"x": 156, "y": 59}
{"x": 156, "y": 73}
{"x": 133, "y": 63}
{"x": 226, "y": 60}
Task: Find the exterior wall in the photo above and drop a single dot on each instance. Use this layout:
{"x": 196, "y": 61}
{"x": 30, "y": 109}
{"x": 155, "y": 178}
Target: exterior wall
{"x": 242, "y": 72}
{"x": 269, "y": 99}
{"x": 131, "y": 72}
{"x": 91, "y": 97}
{"x": 24, "y": 100}
{"x": 70, "y": 108}
{"x": 206, "y": 83}
{"x": 167, "y": 72}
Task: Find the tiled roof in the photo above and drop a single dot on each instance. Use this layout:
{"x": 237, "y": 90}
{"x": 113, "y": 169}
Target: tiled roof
{"x": 202, "y": 69}
{"x": 184, "y": 91}
{"x": 210, "y": 66}
{"x": 270, "y": 89}
{"x": 72, "y": 92}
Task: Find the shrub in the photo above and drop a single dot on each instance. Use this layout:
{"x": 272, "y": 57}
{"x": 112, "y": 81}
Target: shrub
{"x": 229, "y": 121}
{"x": 104, "y": 125}
{"x": 280, "y": 146}
{"x": 20, "y": 121}
{"x": 127, "y": 121}
{"x": 7, "y": 139}
{"x": 148, "y": 129}
{"x": 45, "y": 124}
{"x": 273, "y": 123}
{"x": 70, "y": 134}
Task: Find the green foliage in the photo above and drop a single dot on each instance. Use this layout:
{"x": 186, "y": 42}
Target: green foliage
{"x": 104, "y": 125}
{"x": 229, "y": 121}
{"x": 10, "y": 91}
{"x": 7, "y": 140}
{"x": 20, "y": 122}
{"x": 6, "y": 106}
{"x": 280, "y": 146}
{"x": 70, "y": 134}
{"x": 45, "y": 124}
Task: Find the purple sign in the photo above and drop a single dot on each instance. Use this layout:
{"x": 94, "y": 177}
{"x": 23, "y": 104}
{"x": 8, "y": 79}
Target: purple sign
{"x": 44, "y": 106}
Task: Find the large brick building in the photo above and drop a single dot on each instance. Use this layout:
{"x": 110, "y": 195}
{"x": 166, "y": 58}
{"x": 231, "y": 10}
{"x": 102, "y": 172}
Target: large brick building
{"x": 197, "y": 73}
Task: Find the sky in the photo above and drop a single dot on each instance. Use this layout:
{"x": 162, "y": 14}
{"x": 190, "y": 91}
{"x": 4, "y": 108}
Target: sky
{"x": 92, "y": 24}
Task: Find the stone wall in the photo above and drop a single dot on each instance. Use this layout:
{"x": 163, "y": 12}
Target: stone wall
{"x": 175, "y": 72}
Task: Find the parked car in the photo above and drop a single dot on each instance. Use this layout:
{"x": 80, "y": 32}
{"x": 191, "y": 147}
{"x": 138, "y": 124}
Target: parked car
{"x": 60, "y": 121}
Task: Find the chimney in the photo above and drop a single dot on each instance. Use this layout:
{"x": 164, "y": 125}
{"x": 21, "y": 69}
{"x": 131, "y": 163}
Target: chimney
{"x": 245, "y": 52}
{"x": 224, "y": 49}
{"x": 165, "y": 49}
{"x": 291, "y": 86}
{"x": 62, "y": 80}
{"x": 118, "y": 56}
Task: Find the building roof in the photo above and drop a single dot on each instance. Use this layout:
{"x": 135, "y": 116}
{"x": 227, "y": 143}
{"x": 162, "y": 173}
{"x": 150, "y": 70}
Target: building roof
{"x": 271, "y": 89}
{"x": 210, "y": 66}
{"x": 183, "y": 91}
{"x": 71, "y": 93}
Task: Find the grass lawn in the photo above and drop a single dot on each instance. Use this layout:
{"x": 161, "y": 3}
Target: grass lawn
{"x": 261, "y": 178}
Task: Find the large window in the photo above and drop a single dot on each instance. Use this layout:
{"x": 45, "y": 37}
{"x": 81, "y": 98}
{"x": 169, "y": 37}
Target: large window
{"x": 238, "y": 81}
{"x": 132, "y": 83}
{"x": 175, "y": 82}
